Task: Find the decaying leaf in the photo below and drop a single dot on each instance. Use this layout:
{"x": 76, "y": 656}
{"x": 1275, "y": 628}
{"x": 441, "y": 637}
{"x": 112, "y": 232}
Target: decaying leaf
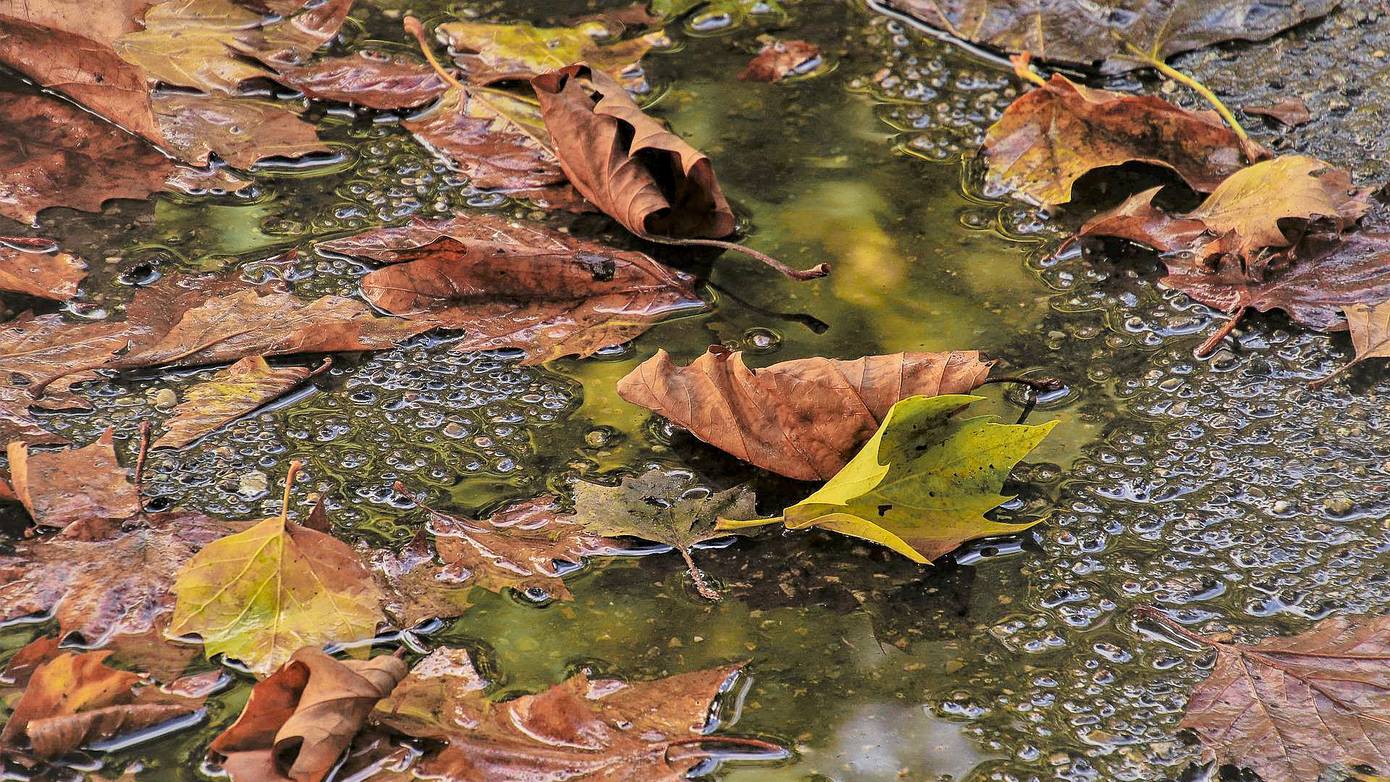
{"x": 1370, "y": 333}
{"x": 1083, "y": 32}
{"x": 229, "y": 395}
{"x": 1290, "y": 111}
{"x": 664, "y": 508}
{"x": 922, "y": 484}
{"x": 517, "y": 52}
{"x": 779, "y": 59}
{"x": 511, "y": 285}
{"x": 60, "y": 488}
{"x": 581, "y": 729}
{"x": 1287, "y": 708}
{"x": 241, "y": 131}
{"x": 35, "y": 267}
{"x": 731, "y": 12}
{"x": 1052, "y": 136}
{"x": 261, "y": 594}
{"x": 376, "y": 80}
{"x": 300, "y": 719}
{"x": 803, "y": 419}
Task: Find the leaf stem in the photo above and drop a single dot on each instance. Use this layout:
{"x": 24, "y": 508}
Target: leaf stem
{"x": 140, "y": 464}
{"x": 724, "y": 524}
{"x": 1176, "y": 75}
{"x": 413, "y": 26}
{"x": 295, "y": 467}
{"x": 1023, "y": 70}
{"x": 1037, "y": 384}
{"x": 701, "y": 583}
{"x": 1206, "y": 348}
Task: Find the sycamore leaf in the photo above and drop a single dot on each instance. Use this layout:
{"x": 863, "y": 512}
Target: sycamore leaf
{"x": 665, "y": 508}
{"x": 517, "y": 52}
{"x": 60, "y": 488}
{"x": 228, "y": 395}
{"x": 1288, "y": 708}
{"x": 922, "y": 484}
{"x": 804, "y": 418}
{"x": 35, "y": 267}
{"x": 1051, "y": 136}
{"x": 778, "y": 60}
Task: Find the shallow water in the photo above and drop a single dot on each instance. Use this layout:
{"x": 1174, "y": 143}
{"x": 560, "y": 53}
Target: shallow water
{"x": 1223, "y": 488}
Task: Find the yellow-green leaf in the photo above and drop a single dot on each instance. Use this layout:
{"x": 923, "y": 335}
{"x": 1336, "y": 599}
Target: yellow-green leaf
{"x": 500, "y": 52}
{"x": 922, "y": 484}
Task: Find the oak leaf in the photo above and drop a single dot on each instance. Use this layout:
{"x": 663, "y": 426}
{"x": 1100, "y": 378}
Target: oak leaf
{"x": 376, "y": 80}
{"x": 922, "y": 484}
{"x": 1287, "y": 708}
{"x": 35, "y": 267}
{"x": 300, "y": 719}
{"x": 490, "y": 53}
{"x": 804, "y": 418}
{"x": 778, "y": 60}
{"x": 1050, "y": 137}
{"x": 60, "y": 488}
{"x": 511, "y": 285}
{"x": 228, "y": 395}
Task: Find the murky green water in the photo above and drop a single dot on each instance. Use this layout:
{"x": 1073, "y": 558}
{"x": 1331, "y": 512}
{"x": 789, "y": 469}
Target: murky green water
{"x": 1224, "y": 488}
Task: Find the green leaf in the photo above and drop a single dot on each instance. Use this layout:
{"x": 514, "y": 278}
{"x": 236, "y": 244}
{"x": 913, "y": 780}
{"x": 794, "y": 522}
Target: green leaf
{"x": 922, "y": 484}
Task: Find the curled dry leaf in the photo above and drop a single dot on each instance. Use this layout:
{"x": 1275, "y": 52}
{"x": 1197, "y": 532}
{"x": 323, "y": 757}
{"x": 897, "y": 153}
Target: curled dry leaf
{"x": 1288, "y": 708}
{"x": 376, "y": 80}
{"x": 779, "y": 59}
{"x": 1083, "y": 32}
{"x": 803, "y": 419}
{"x": 490, "y": 53}
{"x": 60, "y": 488}
{"x": 580, "y": 729}
{"x": 1370, "y": 333}
{"x": 922, "y": 484}
{"x": 1053, "y": 135}
{"x": 1290, "y": 111}
{"x": 228, "y": 395}
{"x": 510, "y": 285}
{"x": 300, "y": 719}
{"x": 35, "y": 267}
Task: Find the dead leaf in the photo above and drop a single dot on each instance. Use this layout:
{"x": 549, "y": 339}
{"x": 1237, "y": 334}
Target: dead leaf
{"x": 1370, "y": 333}
{"x": 1083, "y": 32}
{"x": 376, "y": 80}
{"x": 241, "y": 131}
{"x": 779, "y": 59}
{"x": 1052, "y": 136}
{"x": 35, "y": 267}
{"x": 300, "y": 719}
{"x": 803, "y": 419}
{"x": 491, "y": 53}
{"x": 1291, "y": 112}
{"x": 60, "y": 488}
{"x": 228, "y": 395}
{"x": 581, "y": 729}
{"x": 512, "y": 285}
{"x": 1287, "y": 708}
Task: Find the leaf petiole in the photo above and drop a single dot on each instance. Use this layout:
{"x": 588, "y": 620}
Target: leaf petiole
{"x": 1153, "y": 61}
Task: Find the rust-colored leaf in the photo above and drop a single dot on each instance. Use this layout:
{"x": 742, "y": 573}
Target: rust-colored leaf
{"x": 803, "y": 419}
{"x": 1287, "y": 708}
{"x": 36, "y": 267}
{"x": 779, "y": 59}
{"x": 60, "y": 488}
{"x": 376, "y": 80}
{"x": 512, "y": 285}
{"x": 300, "y": 719}
{"x": 1291, "y": 112}
{"x": 1053, "y": 135}
{"x": 227, "y": 396}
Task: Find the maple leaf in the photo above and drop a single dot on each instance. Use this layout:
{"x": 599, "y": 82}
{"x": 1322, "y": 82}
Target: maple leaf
{"x": 36, "y": 268}
{"x": 300, "y": 719}
{"x": 261, "y": 594}
{"x": 60, "y": 488}
{"x": 517, "y": 52}
{"x": 228, "y": 395}
{"x": 922, "y": 484}
{"x": 513, "y": 285}
{"x": 662, "y": 507}
{"x": 376, "y": 80}
{"x": 804, "y": 418}
{"x": 1287, "y": 708}
{"x": 778, "y": 60}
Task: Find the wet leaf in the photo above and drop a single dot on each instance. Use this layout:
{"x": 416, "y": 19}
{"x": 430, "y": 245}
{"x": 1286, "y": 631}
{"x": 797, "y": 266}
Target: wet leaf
{"x": 517, "y": 52}
{"x": 60, "y": 488}
{"x": 581, "y": 729}
{"x": 803, "y": 419}
{"x": 661, "y": 507}
{"x": 779, "y": 59}
{"x": 1083, "y": 32}
{"x": 1290, "y": 112}
{"x": 35, "y": 267}
{"x": 514, "y": 285}
{"x": 626, "y": 163}
{"x": 714, "y": 14}
{"x": 228, "y": 395}
{"x": 261, "y": 594}
{"x": 241, "y": 131}
{"x": 300, "y": 719}
{"x": 1370, "y": 332}
{"x": 922, "y": 484}
{"x": 376, "y": 80}
{"x": 1053, "y": 135}
{"x": 1287, "y": 708}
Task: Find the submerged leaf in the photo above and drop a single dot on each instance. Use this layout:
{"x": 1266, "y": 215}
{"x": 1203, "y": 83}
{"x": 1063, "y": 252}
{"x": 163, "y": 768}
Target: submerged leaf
{"x": 368, "y": 78}
{"x": 517, "y": 52}
{"x": 60, "y": 488}
{"x": 922, "y": 484}
{"x": 1291, "y": 112}
{"x": 227, "y": 396}
{"x": 779, "y": 59}
{"x": 241, "y": 131}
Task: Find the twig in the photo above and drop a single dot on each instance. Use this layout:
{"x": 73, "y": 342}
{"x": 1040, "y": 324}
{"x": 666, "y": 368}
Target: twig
{"x": 1206, "y": 348}
{"x": 1037, "y": 384}
{"x": 1176, "y": 75}
{"x": 1153, "y": 612}
{"x": 701, "y": 584}
{"x": 140, "y": 463}
{"x": 819, "y": 270}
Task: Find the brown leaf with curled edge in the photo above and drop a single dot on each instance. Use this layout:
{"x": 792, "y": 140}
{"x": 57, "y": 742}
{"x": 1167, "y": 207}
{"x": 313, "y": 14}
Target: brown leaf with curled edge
{"x": 779, "y": 59}
{"x": 376, "y": 80}
{"x": 1085, "y": 32}
{"x": 1291, "y": 112}
{"x": 300, "y": 719}
{"x": 491, "y": 53}
{"x": 627, "y": 163}
{"x": 1369, "y": 325}
{"x": 581, "y": 729}
{"x": 514, "y": 285}
{"x": 228, "y": 395}
{"x": 1287, "y": 708}
{"x": 1055, "y": 134}
{"x": 36, "y": 268}
{"x": 60, "y": 488}
{"x": 803, "y": 419}
{"x": 241, "y": 131}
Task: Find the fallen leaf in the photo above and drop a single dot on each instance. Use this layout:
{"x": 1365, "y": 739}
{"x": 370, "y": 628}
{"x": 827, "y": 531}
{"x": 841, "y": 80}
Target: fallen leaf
{"x": 922, "y": 484}
{"x": 779, "y": 59}
{"x": 261, "y": 594}
{"x": 35, "y": 267}
{"x": 376, "y": 80}
{"x": 661, "y": 507}
{"x": 241, "y": 131}
{"x": 60, "y": 488}
{"x": 581, "y": 729}
{"x": 1139, "y": 221}
{"x": 627, "y": 163}
{"x": 512, "y": 285}
{"x": 1287, "y": 708}
{"x": 1290, "y": 111}
{"x": 1053, "y": 135}
{"x": 1370, "y": 333}
{"x": 721, "y": 13}
{"x": 1083, "y": 32}
{"x": 803, "y": 419}
{"x": 228, "y": 395}
{"x": 300, "y": 719}
{"x": 491, "y": 53}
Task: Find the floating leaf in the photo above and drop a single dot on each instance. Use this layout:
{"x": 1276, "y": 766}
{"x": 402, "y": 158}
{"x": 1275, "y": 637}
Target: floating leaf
{"x": 803, "y": 419}
{"x": 779, "y": 59}
{"x": 228, "y": 395}
{"x": 517, "y": 52}
{"x": 718, "y": 13}
{"x": 60, "y": 488}
{"x": 922, "y": 484}
{"x": 35, "y": 267}
{"x": 377, "y": 80}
